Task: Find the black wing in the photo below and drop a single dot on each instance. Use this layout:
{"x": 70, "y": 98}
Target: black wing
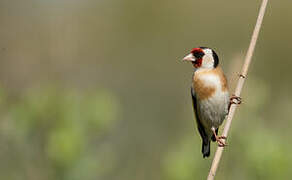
{"x": 199, "y": 124}
{"x": 206, "y": 141}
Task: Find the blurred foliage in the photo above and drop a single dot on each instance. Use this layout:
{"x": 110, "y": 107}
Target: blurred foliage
{"x": 60, "y": 125}
{"x": 96, "y": 89}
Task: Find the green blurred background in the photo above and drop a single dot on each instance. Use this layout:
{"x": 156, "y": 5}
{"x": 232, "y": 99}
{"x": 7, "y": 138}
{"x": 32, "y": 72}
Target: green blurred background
{"x": 95, "y": 89}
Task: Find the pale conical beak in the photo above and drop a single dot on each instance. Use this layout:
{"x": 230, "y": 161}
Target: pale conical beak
{"x": 189, "y": 57}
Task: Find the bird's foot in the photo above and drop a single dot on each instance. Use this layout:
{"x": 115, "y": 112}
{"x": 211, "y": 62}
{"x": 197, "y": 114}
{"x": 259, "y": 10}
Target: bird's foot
{"x": 235, "y": 99}
{"x": 220, "y": 142}
{"x": 219, "y": 139}
{"x": 222, "y": 137}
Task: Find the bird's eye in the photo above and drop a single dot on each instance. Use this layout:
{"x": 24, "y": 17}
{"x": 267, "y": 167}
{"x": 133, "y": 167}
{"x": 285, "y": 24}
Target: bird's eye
{"x": 198, "y": 53}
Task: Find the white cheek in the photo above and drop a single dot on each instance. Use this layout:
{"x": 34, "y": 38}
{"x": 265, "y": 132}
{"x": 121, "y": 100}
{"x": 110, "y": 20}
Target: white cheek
{"x": 208, "y": 61}
{"x": 208, "y": 51}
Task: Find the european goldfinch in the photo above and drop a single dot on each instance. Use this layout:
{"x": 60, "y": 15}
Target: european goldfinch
{"x": 210, "y": 95}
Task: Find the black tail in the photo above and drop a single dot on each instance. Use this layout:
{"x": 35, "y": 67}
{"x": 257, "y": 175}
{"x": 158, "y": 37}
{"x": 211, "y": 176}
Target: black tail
{"x": 206, "y": 149}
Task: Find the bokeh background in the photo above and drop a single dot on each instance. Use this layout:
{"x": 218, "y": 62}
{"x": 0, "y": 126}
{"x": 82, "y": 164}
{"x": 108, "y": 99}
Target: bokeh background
{"x": 97, "y": 90}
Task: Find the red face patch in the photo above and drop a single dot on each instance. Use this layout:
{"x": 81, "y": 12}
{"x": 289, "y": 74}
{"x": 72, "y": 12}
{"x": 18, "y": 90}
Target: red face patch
{"x": 197, "y": 63}
{"x": 198, "y": 53}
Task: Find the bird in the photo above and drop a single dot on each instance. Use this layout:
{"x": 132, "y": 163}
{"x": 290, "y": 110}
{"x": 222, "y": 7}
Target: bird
{"x": 210, "y": 95}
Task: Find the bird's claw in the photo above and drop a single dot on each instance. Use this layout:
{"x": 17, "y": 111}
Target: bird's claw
{"x": 222, "y": 137}
{"x": 235, "y": 99}
{"x": 222, "y": 145}
{"x": 220, "y": 142}
{"x": 241, "y": 75}
{"x": 219, "y": 139}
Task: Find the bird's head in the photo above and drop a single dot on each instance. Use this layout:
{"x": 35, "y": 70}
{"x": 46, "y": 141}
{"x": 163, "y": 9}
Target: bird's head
{"x": 203, "y": 58}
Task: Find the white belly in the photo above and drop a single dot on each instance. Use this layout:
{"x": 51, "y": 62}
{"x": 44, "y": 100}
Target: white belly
{"x": 212, "y": 111}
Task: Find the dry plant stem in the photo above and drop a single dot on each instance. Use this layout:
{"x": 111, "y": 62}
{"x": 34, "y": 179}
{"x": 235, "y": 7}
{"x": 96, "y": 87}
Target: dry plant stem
{"x": 239, "y": 86}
